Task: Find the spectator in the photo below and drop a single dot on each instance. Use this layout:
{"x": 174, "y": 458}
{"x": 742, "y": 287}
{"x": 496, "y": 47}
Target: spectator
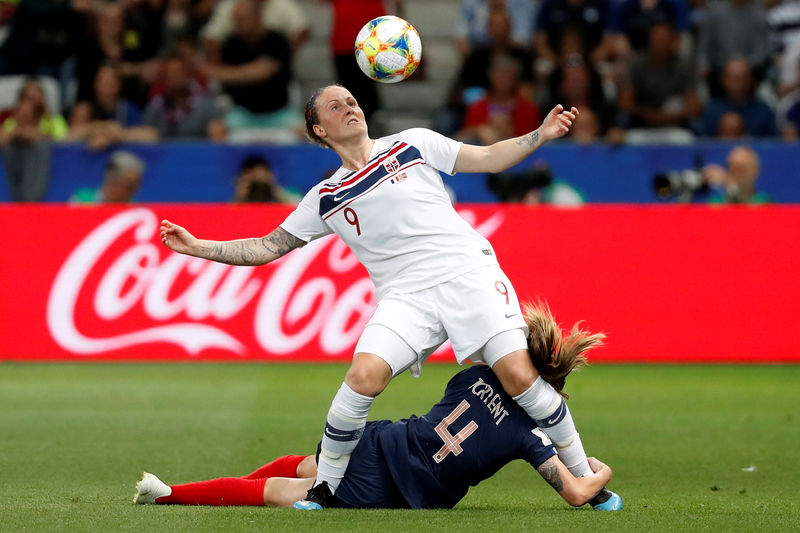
{"x": 587, "y": 129}
{"x": 574, "y": 83}
{"x": 25, "y": 138}
{"x": 122, "y": 178}
{"x": 731, "y": 126}
{"x": 504, "y": 112}
{"x": 116, "y": 41}
{"x": 143, "y": 31}
{"x": 184, "y": 109}
{"x": 739, "y": 97}
{"x": 661, "y": 87}
{"x": 42, "y": 35}
{"x": 475, "y": 69}
{"x": 256, "y": 182}
{"x": 182, "y": 18}
{"x": 255, "y": 73}
{"x": 472, "y": 27}
{"x": 473, "y": 79}
{"x": 109, "y": 118}
{"x": 698, "y": 13}
{"x": 735, "y": 28}
{"x": 143, "y": 28}
{"x": 104, "y": 46}
{"x": 737, "y": 182}
{"x": 186, "y": 50}
{"x": 283, "y": 16}
{"x": 631, "y": 20}
{"x": 788, "y": 115}
{"x": 585, "y": 22}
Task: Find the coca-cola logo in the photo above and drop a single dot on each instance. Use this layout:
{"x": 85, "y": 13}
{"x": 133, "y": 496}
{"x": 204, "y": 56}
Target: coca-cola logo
{"x": 317, "y": 296}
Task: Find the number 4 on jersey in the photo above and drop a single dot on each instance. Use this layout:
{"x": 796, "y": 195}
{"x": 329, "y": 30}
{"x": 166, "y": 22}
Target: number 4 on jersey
{"x": 452, "y": 443}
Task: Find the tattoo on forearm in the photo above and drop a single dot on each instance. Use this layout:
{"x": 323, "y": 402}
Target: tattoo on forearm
{"x": 281, "y": 242}
{"x": 531, "y": 139}
{"x": 248, "y": 252}
{"x": 549, "y": 471}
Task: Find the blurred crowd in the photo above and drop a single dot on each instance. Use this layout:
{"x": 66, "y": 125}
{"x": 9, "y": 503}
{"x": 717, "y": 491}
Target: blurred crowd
{"x": 107, "y": 72}
{"x": 639, "y": 70}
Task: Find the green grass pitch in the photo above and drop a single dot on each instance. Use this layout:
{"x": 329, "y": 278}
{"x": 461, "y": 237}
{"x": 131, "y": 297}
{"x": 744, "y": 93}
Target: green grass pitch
{"x": 693, "y": 448}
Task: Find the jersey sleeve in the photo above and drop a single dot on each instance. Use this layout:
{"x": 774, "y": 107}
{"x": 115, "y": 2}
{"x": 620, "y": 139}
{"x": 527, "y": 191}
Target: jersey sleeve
{"x": 537, "y": 448}
{"x": 439, "y": 151}
{"x": 304, "y": 222}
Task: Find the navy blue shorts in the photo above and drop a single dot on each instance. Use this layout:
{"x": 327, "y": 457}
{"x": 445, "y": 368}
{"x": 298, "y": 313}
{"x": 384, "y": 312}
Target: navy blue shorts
{"x": 367, "y": 483}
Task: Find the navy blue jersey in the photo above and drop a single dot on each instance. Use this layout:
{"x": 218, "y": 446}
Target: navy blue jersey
{"x": 474, "y": 430}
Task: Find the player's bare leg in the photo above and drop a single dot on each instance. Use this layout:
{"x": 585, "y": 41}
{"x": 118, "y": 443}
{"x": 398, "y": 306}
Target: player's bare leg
{"x": 284, "y": 491}
{"x": 277, "y": 484}
{"x": 367, "y": 377}
{"x": 307, "y": 468}
{"x": 543, "y": 404}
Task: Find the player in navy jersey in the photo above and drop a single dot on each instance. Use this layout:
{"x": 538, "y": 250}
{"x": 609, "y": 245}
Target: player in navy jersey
{"x": 429, "y": 461}
{"x": 435, "y": 277}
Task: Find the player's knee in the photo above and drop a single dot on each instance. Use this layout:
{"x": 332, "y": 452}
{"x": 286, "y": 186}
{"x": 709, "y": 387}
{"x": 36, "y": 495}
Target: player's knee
{"x": 307, "y": 467}
{"x": 516, "y": 372}
{"x": 518, "y": 381}
{"x": 272, "y": 496}
{"x": 368, "y": 376}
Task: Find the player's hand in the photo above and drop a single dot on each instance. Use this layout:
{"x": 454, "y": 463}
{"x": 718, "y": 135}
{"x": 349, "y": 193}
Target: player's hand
{"x": 177, "y": 238}
{"x": 596, "y": 465}
{"x": 558, "y": 122}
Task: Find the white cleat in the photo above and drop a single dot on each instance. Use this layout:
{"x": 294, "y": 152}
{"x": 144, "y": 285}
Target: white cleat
{"x": 150, "y": 488}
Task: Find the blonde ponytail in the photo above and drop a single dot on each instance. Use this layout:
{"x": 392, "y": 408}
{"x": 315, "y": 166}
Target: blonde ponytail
{"x": 554, "y": 355}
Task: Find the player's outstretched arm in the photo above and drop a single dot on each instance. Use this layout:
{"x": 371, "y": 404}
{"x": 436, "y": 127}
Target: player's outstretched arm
{"x": 505, "y": 154}
{"x": 576, "y": 491}
{"x": 243, "y": 252}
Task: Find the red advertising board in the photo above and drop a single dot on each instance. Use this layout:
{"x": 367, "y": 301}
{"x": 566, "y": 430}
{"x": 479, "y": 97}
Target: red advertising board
{"x": 666, "y": 284}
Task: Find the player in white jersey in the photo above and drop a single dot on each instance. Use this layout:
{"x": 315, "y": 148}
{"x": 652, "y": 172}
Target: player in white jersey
{"x": 435, "y": 277}
{"x": 395, "y": 214}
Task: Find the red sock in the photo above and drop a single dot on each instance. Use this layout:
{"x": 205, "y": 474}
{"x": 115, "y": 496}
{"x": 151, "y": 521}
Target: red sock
{"x": 285, "y": 466}
{"x": 222, "y": 491}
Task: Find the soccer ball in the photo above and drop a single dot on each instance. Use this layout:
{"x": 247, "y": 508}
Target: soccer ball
{"x": 388, "y": 49}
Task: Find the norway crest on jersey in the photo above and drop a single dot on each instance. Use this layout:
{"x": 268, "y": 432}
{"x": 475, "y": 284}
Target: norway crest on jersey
{"x": 391, "y": 165}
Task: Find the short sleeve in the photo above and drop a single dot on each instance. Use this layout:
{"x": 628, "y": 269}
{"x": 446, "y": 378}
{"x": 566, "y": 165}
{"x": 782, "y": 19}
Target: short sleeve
{"x": 537, "y": 448}
{"x": 304, "y": 222}
{"x": 439, "y": 151}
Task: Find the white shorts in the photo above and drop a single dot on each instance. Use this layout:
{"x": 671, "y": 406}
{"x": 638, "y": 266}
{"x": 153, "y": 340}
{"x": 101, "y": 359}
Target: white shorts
{"x": 469, "y": 310}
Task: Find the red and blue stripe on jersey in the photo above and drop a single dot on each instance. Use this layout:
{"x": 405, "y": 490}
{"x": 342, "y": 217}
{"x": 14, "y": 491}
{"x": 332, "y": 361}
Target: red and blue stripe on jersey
{"x": 335, "y": 196}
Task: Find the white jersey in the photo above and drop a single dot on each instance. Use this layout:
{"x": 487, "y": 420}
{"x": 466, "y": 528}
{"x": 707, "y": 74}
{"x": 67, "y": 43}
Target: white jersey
{"x": 395, "y": 214}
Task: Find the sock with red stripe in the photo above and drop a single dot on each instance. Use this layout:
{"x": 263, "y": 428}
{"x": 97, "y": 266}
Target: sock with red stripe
{"x": 231, "y": 491}
{"x": 285, "y": 466}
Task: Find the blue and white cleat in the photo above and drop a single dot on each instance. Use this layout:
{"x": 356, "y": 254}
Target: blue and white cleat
{"x": 606, "y": 501}
{"x": 306, "y": 505}
{"x": 318, "y": 497}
